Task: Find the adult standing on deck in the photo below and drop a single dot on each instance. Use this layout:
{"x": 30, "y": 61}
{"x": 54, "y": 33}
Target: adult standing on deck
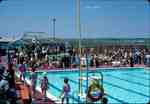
{"x": 12, "y": 75}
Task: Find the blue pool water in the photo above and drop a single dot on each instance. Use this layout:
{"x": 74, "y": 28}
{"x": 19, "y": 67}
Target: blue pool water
{"x": 130, "y": 85}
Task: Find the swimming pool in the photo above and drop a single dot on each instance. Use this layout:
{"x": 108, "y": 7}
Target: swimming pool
{"x": 124, "y": 85}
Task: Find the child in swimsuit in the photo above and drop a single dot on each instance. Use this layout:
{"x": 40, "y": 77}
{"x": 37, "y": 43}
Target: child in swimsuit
{"x": 44, "y": 86}
{"x": 65, "y": 91}
{"x": 33, "y": 78}
{"x": 22, "y": 70}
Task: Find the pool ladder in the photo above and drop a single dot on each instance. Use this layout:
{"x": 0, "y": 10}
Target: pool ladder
{"x": 75, "y": 93}
{"x": 100, "y": 74}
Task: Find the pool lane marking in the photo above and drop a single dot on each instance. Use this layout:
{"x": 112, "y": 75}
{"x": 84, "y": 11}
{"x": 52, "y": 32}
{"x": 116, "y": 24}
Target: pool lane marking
{"x": 129, "y": 90}
{"x": 54, "y": 97}
{"x": 137, "y": 76}
{"x": 144, "y": 73}
{"x": 121, "y": 101}
{"x": 58, "y": 89}
{"x": 91, "y": 69}
{"x": 133, "y": 82}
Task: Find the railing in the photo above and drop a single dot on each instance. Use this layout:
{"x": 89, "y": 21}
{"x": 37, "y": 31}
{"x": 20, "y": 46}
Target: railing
{"x": 94, "y": 74}
{"x": 100, "y": 74}
{"x": 74, "y": 93}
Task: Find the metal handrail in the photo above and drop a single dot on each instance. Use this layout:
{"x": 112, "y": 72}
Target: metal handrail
{"x": 101, "y": 76}
{"x": 73, "y": 93}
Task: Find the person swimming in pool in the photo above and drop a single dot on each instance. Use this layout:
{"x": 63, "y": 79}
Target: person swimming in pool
{"x": 65, "y": 91}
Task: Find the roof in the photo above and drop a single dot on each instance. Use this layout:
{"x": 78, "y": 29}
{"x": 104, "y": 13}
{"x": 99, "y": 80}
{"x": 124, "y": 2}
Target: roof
{"x": 4, "y": 39}
{"x": 109, "y": 41}
{"x": 41, "y": 37}
{"x": 34, "y": 35}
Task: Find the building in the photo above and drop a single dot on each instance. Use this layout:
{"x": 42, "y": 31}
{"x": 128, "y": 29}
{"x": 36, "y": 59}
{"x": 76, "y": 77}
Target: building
{"x": 5, "y": 41}
{"x": 34, "y": 36}
{"x": 41, "y": 37}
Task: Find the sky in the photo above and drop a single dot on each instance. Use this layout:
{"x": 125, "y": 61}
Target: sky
{"x": 99, "y": 18}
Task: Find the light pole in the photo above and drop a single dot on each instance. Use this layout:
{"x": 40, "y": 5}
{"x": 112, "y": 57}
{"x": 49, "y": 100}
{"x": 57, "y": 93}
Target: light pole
{"x": 79, "y": 33}
{"x": 54, "y": 20}
{"x": 54, "y": 38}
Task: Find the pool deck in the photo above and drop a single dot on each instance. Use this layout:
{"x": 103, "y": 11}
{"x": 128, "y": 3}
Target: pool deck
{"x": 18, "y": 83}
{"x": 37, "y": 97}
{"x": 90, "y": 69}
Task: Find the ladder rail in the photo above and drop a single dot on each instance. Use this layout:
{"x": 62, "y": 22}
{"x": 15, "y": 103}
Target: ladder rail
{"x": 100, "y": 75}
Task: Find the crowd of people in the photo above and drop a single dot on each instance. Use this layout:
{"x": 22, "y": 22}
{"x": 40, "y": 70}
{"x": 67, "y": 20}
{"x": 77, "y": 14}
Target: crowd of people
{"x": 39, "y": 56}
{"x": 122, "y": 56}
{"x": 8, "y": 92}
